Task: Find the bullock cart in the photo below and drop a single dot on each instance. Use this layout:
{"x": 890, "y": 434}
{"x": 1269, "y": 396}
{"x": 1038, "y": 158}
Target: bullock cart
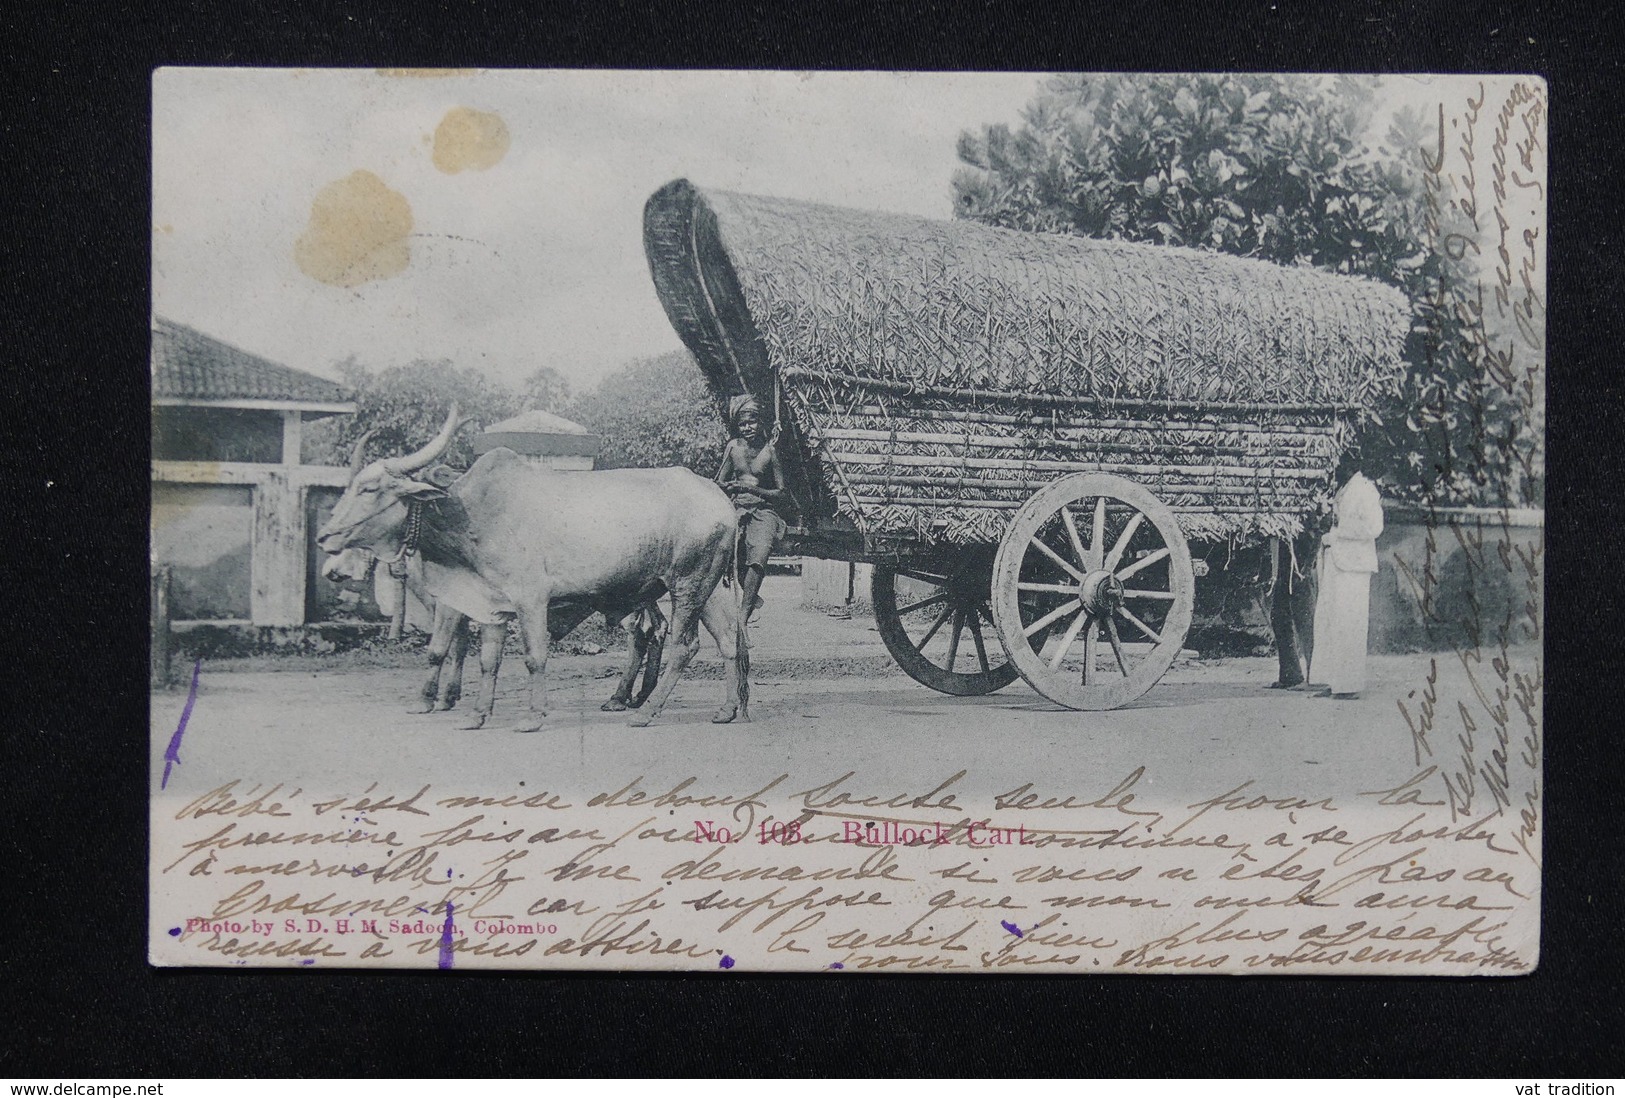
{"x": 1021, "y": 431}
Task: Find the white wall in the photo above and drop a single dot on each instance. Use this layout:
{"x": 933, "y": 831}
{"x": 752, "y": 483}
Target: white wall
{"x": 825, "y": 584}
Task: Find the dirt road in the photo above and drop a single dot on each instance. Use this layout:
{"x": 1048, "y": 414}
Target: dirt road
{"x": 826, "y": 698}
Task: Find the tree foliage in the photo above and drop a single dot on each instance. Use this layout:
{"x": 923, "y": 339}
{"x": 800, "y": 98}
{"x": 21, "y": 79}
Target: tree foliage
{"x": 406, "y": 405}
{"x": 1278, "y": 168}
{"x": 654, "y": 412}
{"x": 545, "y": 390}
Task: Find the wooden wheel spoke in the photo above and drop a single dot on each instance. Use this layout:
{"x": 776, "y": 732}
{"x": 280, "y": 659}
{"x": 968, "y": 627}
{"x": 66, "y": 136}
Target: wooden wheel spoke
{"x": 1140, "y": 625}
{"x": 1121, "y": 547}
{"x": 1144, "y": 562}
{"x": 1058, "y": 559}
{"x": 1074, "y": 537}
{"x": 976, "y": 635}
{"x": 1117, "y": 645}
{"x": 958, "y": 599}
{"x": 1119, "y": 530}
{"x": 953, "y": 639}
{"x": 922, "y": 604}
{"x": 1097, "y": 546}
{"x": 1067, "y": 638}
{"x": 1059, "y": 588}
{"x": 1053, "y": 616}
{"x": 931, "y": 632}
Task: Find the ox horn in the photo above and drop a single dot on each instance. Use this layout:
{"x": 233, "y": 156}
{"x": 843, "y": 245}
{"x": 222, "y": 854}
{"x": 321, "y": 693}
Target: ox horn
{"x": 411, "y": 463}
{"x": 358, "y": 456}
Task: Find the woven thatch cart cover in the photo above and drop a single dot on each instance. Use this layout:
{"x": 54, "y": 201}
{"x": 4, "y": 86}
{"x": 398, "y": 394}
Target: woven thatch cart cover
{"x": 938, "y": 373}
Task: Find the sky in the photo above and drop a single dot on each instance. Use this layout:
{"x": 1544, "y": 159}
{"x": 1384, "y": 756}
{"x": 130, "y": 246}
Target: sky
{"x": 532, "y": 255}
{"x": 536, "y": 260}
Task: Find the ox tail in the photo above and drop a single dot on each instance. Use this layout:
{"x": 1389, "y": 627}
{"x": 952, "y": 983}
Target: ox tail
{"x": 654, "y": 649}
{"x": 735, "y": 577}
{"x": 741, "y": 632}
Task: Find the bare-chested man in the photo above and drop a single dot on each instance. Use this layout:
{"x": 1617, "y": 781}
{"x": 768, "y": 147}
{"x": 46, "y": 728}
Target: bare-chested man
{"x": 751, "y": 477}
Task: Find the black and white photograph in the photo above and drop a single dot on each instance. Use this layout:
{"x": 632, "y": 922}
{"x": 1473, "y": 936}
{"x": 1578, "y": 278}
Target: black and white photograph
{"x": 847, "y": 521}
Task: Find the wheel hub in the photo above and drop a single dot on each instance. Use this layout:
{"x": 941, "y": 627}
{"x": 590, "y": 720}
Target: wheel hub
{"x": 1035, "y": 564}
{"x": 1101, "y": 593}
{"x": 967, "y": 587}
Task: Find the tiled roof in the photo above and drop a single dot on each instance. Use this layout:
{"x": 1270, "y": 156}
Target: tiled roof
{"x": 188, "y": 365}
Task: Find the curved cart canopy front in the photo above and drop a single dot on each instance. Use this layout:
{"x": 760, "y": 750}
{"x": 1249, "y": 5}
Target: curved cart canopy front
{"x": 934, "y": 375}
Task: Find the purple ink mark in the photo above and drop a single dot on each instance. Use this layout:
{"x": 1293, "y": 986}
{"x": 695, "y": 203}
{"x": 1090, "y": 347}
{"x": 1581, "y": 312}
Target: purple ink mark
{"x": 308, "y": 961}
{"x": 726, "y": 962}
{"x": 837, "y": 966}
{"x": 448, "y": 874}
{"x": 172, "y": 753}
{"x": 1013, "y": 928}
{"x": 174, "y": 932}
{"x": 446, "y": 947}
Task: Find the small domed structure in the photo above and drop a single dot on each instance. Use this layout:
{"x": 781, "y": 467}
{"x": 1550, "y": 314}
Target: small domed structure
{"x": 547, "y": 439}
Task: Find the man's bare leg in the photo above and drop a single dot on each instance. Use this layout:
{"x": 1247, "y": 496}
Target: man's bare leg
{"x": 725, "y": 624}
{"x": 750, "y": 589}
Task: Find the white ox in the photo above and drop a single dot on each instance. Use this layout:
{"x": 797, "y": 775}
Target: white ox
{"x": 644, "y": 626}
{"x": 508, "y": 539}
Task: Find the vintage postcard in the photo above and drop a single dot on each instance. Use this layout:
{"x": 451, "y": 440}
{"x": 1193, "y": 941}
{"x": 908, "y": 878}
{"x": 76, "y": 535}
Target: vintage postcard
{"x": 848, "y": 522}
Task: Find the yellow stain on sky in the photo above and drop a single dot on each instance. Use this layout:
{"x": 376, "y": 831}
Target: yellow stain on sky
{"x": 427, "y": 72}
{"x": 357, "y": 233}
{"x": 469, "y": 140}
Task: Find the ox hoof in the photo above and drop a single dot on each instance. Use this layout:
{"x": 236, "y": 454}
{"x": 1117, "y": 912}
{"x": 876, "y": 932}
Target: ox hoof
{"x": 474, "y": 724}
{"x": 642, "y": 720}
{"x": 726, "y": 715}
{"x": 421, "y": 708}
{"x": 529, "y": 726}
{"x": 614, "y": 705}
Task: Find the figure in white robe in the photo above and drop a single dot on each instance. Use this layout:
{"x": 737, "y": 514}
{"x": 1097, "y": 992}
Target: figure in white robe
{"x": 1343, "y": 610}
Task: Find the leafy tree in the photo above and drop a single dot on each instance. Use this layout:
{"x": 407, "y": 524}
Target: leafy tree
{"x": 654, "y": 412}
{"x": 406, "y": 405}
{"x": 1278, "y": 168}
{"x": 545, "y": 390}
{"x": 1451, "y": 434}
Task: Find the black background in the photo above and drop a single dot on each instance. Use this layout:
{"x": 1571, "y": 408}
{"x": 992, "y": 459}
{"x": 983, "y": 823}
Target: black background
{"x": 79, "y": 998}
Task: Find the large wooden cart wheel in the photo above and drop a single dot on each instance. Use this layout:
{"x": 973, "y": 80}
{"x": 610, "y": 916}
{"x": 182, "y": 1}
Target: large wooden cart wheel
{"x": 939, "y": 626}
{"x": 1093, "y": 590}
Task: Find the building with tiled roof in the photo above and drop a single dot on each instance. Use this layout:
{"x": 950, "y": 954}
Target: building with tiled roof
{"x": 233, "y": 503}
{"x": 189, "y": 367}
{"x": 543, "y": 437}
{"x": 216, "y": 402}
